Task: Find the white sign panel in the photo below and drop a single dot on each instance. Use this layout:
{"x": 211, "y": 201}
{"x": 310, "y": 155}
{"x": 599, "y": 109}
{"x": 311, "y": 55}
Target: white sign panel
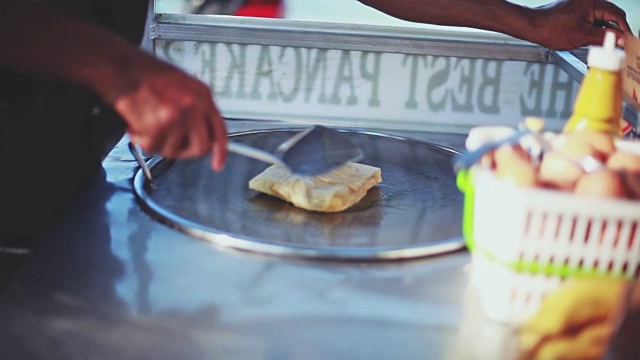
{"x": 372, "y": 89}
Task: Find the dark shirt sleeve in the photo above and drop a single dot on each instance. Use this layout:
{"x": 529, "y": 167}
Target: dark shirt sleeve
{"x": 53, "y": 134}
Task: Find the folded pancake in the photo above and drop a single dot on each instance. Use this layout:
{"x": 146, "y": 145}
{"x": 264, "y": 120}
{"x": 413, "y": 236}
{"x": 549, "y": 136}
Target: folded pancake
{"x": 334, "y": 191}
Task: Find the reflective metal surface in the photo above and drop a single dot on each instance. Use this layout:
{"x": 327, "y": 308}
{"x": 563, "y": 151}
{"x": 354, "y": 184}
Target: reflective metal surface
{"x": 110, "y": 282}
{"x": 414, "y": 212}
{"x": 350, "y": 37}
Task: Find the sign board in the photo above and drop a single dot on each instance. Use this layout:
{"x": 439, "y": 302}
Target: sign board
{"x": 373, "y": 89}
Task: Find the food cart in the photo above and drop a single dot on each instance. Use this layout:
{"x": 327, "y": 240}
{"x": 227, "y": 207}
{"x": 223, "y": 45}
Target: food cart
{"x": 200, "y": 267}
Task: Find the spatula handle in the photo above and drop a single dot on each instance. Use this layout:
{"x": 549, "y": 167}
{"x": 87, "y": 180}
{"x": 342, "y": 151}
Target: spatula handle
{"x": 253, "y": 153}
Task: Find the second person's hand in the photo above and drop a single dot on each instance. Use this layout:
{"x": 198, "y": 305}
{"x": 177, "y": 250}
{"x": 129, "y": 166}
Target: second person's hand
{"x": 570, "y": 24}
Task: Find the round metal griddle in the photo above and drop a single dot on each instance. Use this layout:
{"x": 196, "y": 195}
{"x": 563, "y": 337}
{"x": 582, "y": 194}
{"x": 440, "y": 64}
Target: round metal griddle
{"x": 415, "y": 211}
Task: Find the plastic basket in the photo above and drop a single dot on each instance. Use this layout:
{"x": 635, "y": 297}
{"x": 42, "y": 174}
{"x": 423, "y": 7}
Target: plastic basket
{"x": 526, "y": 241}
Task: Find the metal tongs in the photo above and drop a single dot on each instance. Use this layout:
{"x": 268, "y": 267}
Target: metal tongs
{"x": 531, "y": 126}
{"x": 313, "y": 151}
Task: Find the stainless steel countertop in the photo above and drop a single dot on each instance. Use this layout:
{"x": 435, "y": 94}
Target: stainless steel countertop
{"x": 112, "y": 283}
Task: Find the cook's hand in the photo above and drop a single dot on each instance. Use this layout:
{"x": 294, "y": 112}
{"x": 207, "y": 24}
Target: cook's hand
{"x": 173, "y": 114}
{"x": 167, "y": 111}
{"x": 570, "y": 24}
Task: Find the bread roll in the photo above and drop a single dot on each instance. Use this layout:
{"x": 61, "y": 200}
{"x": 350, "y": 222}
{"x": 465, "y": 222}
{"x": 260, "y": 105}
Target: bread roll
{"x": 334, "y": 191}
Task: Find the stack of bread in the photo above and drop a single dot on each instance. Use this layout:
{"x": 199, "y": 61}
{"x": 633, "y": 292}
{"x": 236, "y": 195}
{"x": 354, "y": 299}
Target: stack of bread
{"x": 589, "y": 163}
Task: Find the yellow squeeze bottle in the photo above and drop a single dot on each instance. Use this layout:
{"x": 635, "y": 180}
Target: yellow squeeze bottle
{"x": 598, "y": 105}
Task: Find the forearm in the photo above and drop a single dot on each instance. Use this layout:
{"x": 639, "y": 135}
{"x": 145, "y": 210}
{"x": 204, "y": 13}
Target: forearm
{"x": 37, "y": 40}
{"x": 493, "y": 15}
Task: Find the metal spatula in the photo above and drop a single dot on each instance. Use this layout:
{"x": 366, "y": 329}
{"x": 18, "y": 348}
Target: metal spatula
{"x": 313, "y": 151}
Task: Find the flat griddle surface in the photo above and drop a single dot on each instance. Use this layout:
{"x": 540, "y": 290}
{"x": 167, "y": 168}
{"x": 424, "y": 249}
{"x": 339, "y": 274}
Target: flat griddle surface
{"x": 415, "y": 211}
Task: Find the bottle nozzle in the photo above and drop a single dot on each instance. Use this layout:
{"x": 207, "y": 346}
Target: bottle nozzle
{"x": 609, "y": 40}
{"x": 607, "y": 56}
